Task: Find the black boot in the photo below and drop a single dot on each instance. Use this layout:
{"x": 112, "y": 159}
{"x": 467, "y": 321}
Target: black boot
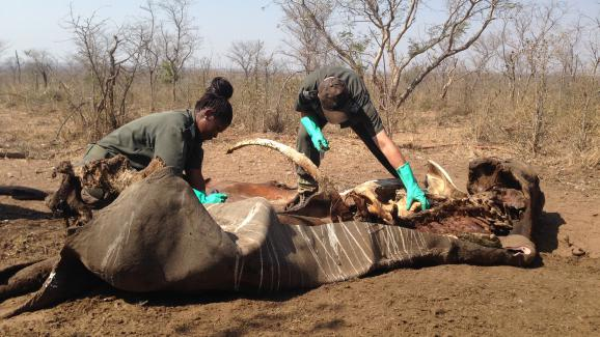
{"x": 299, "y": 201}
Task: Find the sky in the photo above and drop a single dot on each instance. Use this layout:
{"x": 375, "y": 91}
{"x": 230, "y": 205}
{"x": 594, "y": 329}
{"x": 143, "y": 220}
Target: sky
{"x": 27, "y": 24}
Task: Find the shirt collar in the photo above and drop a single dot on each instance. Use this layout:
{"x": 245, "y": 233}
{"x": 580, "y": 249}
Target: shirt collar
{"x": 192, "y": 128}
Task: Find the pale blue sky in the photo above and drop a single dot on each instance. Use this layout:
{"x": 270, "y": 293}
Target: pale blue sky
{"x": 26, "y": 24}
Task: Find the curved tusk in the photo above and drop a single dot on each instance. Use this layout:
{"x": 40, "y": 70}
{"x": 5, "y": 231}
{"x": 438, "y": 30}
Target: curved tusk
{"x": 291, "y": 154}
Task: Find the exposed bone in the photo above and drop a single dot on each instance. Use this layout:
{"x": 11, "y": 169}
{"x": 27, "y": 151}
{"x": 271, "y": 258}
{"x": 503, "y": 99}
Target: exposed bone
{"x": 438, "y": 182}
{"x": 293, "y": 155}
{"x": 379, "y": 198}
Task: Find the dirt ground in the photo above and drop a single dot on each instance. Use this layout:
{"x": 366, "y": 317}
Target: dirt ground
{"x": 558, "y": 297}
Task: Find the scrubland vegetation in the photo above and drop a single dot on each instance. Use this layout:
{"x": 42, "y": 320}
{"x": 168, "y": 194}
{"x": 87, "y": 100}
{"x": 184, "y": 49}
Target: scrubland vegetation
{"x": 516, "y": 73}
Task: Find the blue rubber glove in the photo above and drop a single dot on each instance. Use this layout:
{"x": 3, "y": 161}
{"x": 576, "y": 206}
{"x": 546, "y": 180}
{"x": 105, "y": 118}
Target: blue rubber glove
{"x": 413, "y": 191}
{"x": 214, "y": 198}
{"x": 316, "y": 136}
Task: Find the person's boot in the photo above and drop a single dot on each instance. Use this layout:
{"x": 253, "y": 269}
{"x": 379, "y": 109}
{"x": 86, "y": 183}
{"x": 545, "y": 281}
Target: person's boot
{"x": 299, "y": 201}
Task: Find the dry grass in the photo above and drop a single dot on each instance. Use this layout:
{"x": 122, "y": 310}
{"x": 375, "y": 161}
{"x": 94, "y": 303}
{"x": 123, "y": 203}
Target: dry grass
{"x": 483, "y": 108}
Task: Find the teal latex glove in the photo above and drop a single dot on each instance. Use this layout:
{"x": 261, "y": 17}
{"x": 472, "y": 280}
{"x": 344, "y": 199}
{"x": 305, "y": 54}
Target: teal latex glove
{"x": 413, "y": 191}
{"x": 214, "y": 198}
{"x": 316, "y": 136}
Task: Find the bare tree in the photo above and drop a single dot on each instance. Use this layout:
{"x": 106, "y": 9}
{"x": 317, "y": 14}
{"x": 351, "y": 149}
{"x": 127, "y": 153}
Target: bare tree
{"x": 590, "y": 100}
{"x": 593, "y": 47}
{"x": 527, "y": 49}
{"x": 247, "y": 55}
{"x": 136, "y": 38}
{"x": 567, "y": 51}
{"x": 388, "y": 23}
{"x": 112, "y": 58}
{"x": 42, "y": 64}
{"x": 17, "y": 70}
{"x": 306, "y": 45}
{"x": 178, "y": 38}
{"x": 448, "y": 74}
{"x": 205, "y": 68}
{"x": 152, "y": 49}
{"x": 478, "y": 69}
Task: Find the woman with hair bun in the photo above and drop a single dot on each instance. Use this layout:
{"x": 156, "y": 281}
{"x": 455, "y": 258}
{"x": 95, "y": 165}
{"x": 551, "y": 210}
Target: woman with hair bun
{"x": 220, "y": 86}
{"x": 175, "y": 136}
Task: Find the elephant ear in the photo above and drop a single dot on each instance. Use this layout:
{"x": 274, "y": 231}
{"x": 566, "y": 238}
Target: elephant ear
{"x": 439, "y": 183}
{"x": 141, "y": 242}
{"x": 246, "y": 221}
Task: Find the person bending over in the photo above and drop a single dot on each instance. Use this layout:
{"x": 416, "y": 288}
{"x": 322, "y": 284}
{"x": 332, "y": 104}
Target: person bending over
{"x": 337, "y": 95}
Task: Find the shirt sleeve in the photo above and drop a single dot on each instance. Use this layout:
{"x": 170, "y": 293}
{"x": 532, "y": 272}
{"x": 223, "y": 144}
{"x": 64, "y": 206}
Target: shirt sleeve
{"x": 374, "y": 125}
{"x": 170, "y": 146}
{"x": 367, "y": 113}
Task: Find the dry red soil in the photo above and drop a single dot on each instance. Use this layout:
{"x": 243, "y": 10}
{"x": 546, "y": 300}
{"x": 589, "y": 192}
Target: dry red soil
{"x": 559, "y": 296}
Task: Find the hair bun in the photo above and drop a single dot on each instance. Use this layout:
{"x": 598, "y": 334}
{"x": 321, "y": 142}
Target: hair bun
{"x": 220, "y": 86}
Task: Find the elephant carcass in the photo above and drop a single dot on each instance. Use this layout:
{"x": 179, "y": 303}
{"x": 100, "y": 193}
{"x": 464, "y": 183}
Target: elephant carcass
{"x": 503, "y": 204}
{"x": 156, "y": 236}
{"x": 512, "y": 198}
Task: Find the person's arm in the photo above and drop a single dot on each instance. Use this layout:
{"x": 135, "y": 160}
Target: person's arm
{"x": 394, "y": 156}
{"x": 390, "y": 150}
{"x": 171, "y": 147}
{"x": 196, "y": 179}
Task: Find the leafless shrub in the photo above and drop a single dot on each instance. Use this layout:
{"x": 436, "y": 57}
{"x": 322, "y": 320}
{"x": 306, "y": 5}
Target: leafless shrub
{"x": 112, "y": 59}
{"x": 178, "y": 38}
{"x": 42, "y": 63}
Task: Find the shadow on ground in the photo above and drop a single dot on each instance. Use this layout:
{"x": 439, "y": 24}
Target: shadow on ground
{"x": 546, "y": 235}
{"x": 12, "y": 212}
{"x": 171, "y": 299}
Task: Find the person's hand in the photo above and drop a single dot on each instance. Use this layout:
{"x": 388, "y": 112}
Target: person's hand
{"x": 413, "y": 191}
{"x": 214, "y": 198}
{"x": 319, "y": 142}
{"x": 416, "y": 194}
{"x": 316, "y": 136}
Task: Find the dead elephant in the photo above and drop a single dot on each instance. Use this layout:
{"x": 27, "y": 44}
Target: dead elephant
{"x": 156, "y": 237}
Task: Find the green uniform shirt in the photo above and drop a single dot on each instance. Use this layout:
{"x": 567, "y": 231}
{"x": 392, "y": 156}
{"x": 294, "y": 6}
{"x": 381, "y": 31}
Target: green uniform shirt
{"x": 363, "y": 111}
{"x": 170, "y": 135}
